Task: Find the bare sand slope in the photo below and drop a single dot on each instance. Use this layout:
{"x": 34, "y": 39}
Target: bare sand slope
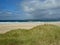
{"x": 4, "y": 27}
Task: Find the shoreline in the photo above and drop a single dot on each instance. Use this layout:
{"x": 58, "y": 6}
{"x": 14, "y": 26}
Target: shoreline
{"x": 7, "y": 26}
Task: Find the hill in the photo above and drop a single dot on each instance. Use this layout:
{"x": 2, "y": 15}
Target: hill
{"x": 39, "y": 35}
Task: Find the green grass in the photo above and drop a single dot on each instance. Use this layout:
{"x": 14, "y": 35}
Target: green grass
{"x": 39, "y": 35}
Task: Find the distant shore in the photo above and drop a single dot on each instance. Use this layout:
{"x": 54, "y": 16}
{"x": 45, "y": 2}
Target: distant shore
{"x": 7, "y": 26}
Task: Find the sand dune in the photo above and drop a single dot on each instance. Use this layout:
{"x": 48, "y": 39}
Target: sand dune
{"x": 7, "y": 26}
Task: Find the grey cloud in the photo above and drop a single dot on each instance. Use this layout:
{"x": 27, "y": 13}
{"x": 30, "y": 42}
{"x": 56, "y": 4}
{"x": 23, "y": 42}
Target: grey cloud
{"x": 49, "y": 9}
{"x": 7, "y": 15}
{"x": 46, "y": 14}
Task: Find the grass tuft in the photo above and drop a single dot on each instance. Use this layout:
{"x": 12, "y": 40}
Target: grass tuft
{"x": 40, "y": 35}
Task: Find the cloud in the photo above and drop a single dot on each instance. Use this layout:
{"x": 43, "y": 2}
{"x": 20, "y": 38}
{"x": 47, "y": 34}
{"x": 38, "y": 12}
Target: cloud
{"x": 8, "y": 15}
{"x": 42, "y": 9}
{"x": 37, "y": 4}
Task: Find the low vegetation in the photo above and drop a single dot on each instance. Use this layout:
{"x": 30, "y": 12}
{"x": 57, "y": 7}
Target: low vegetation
{"x": 40, "y": 35}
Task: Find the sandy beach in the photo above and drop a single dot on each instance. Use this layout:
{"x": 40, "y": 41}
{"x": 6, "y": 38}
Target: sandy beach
{"x": 7, "y": 26}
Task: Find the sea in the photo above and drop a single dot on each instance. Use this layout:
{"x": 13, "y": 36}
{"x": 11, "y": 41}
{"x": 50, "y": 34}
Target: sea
{"x": 2, "y": 22}
{"x": 29, "y": 20}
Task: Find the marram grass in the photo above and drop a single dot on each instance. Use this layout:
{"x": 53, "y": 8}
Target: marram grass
{"x": 39, "y": 35}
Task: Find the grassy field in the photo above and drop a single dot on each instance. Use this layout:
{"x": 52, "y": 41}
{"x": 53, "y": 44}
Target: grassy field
{"x": 39, "y": 35}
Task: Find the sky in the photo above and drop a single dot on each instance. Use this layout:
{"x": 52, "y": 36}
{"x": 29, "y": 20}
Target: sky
{"x": 29, "y": 9}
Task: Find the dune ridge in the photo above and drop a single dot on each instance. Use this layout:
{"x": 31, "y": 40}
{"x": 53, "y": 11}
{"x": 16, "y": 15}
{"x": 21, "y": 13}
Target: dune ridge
{"x": 7, "y": 26}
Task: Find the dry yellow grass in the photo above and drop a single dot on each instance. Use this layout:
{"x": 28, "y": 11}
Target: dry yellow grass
{"x": 39, "y": 35}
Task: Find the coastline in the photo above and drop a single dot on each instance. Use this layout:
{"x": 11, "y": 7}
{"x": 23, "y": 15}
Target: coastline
{"x": 7, "y": 26}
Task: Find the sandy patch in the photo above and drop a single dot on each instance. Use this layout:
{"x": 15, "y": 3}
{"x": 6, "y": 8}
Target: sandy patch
{"x": 7, "y": 26}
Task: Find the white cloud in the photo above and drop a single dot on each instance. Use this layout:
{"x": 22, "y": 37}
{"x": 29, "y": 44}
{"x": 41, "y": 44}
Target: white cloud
{"x": 42, "y": 9}
{"x": 37, "y": 4}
